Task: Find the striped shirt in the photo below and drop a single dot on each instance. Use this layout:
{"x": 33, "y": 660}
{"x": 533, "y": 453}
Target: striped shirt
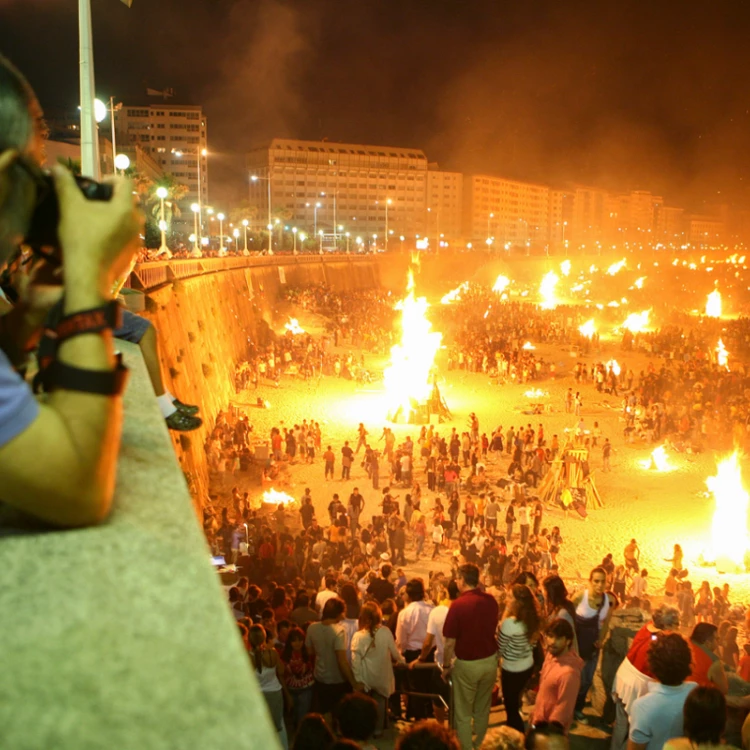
{"x": 514, "y": 647}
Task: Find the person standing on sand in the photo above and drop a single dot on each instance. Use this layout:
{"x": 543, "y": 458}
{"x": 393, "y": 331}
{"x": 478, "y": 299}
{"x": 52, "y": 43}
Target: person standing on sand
{"x": 632, "y": 553}
{"x": 606, "y": 452}
{"x": 329, "y": 457}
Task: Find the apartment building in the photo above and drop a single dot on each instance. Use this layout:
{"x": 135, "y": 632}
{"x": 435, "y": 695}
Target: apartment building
{"x": 705, "y": 231}
{"x": 505, "y": 212}
{"x": 670, "y": 229}
{"x": 341, "y": 187}
{"x": 444, "y": 205}
{"x": 175, "y": 137}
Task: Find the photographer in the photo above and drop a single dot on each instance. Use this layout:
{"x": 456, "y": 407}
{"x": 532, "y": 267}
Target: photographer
{"x": 58, "y": 458}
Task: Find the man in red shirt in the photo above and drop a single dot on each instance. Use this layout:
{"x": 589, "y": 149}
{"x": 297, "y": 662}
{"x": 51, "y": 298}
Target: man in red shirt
{"x": 469, "y": 635}
{"x": 561, "y": 676}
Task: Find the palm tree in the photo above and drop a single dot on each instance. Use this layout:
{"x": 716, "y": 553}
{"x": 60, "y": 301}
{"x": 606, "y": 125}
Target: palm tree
{"x": 176, "y": 191}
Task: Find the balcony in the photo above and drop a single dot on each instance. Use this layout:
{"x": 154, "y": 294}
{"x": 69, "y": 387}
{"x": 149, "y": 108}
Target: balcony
{"x": 120, "y": 636}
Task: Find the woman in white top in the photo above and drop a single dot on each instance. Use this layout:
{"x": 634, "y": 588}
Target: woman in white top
{"x": 269, "y": 670}
{"x": 373, "y": 654}
{"x": 516, "y": 637}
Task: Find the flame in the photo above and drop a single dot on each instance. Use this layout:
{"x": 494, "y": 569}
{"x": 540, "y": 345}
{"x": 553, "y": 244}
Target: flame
{"x": 722, "y": 355}
{"x": 588, "y": 329}
{"x": 547, "y": 291}
{"x": 294, "y": 326}
{"x": 617, "y": 267}
{"x": 729, "y": 528}
{"x": 713, "y": 304}
{"x": 274, "y": 497}
{"x": 637, "y": 322}
{"x": 639, "y": 282}
{"x": 455, "y": 294}
{"x": 501, "y": 284}
{"x": 658, "y": 460}
{"x": 408, "y": 375}
{"x": 536, "y": 393}
{"x": 565, "y": 267}
{"x": 528, "y": 346}
{"x": 613, "y": 365}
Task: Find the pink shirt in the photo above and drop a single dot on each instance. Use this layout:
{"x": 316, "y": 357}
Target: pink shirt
{"x": 558, "y": 687}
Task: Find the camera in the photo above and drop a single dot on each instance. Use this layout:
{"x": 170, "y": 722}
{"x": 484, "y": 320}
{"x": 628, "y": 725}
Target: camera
{"x": 42, "y": 233}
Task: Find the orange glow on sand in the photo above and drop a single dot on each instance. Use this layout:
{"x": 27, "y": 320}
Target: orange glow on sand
{"x": 501, "y": 284}
{"x": 588, "y": 329}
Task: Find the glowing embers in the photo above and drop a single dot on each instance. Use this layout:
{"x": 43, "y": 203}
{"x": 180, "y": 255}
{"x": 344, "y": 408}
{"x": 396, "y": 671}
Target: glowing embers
{"x": 407, "y": 378}
{"x": 729, "y": 538}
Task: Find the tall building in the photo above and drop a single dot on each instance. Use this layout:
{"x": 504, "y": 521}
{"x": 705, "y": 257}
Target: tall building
{"x": 705, "y": 231}
{"x": 505, "y": 212}
{"x": 670, "y": 230}
{"x": 444, "y": 205}
{"x": 174, "y": 136}
{"x": 340, "y": 188}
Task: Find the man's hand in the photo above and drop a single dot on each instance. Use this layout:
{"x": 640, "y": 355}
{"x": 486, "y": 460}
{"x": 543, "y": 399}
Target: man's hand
{"x": 446, "y": 673}
{"x": 98, "y": 238}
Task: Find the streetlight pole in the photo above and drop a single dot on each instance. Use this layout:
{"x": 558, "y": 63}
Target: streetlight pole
{"x": 490, "y": 216}
{"x": 294, "y": 240}
{"x": 244, "y": 227}
{"x": 161, "y": 194}
{"x": 89, "y": 141}
{"x": 348, "y": 237}
{"x": 387, "y": 203}
{"x": 222, "y": 249}
{"x": 112, "y": 110}
{"x": 320, "y": 245}
{"x": 195, "y": 208}
{"x": 236, "y": 235}
{"x": 315, "y": 217}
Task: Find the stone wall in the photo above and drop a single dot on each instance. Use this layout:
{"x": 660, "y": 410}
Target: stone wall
{"x": 205, "y": 323}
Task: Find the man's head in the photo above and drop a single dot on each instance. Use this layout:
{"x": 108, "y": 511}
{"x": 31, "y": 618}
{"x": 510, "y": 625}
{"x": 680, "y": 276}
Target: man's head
{"x": 357, "y": 717}
{"x": 559, "y": 637}
{"x": 468, "y": 577}
{"x": 385, "y": 571}
{"x": 21, "y": 143}
{"x": 704, "y": 634}
{"x": 704, "y": 716}
{"x": 415, "y": 590}
{"x": 669, "y": 659}
{"x": 333, "y": 609}
{"x": 428, "y": 735}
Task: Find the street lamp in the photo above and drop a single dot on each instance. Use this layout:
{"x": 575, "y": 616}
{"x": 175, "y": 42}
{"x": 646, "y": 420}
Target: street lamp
{"x": 402, "y": 238}
{"x": 387, "y": 203}
{"x": 222, "y": 249}
{"x": 122, "y": 162}
{"x": 255, "y": 178}
{"x": 294, "y": 240}
{"x": 491, "y": 216}
{"x": 374, "y": 242}
{"x": 236, "y": 235}
{"x": 195, "y": 208}
{"x": 348, "y": 236}
{"x": 161, "y": 194}
{"x": 320, "y": 246}
{"x": 244, "y": 227}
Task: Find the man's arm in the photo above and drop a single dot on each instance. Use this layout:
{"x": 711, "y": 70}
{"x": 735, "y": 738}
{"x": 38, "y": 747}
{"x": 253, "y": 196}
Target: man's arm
{"x": 718, "y": 676}
{"x": 62, "y": 467}
{"x": 449, "y": 651}
{"x": 429, "y": 642}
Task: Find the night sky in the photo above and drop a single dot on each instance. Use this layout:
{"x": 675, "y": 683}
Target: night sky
{"x": 626, "y": 95}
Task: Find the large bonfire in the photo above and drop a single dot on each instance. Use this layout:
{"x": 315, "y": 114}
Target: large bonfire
{"x": 407, "y": 378}
{"x": 729, "y": 535}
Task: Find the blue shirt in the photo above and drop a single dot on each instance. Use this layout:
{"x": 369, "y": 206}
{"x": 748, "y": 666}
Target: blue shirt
{"x": 18, "y": 407}
{"x": 657, "y": 716}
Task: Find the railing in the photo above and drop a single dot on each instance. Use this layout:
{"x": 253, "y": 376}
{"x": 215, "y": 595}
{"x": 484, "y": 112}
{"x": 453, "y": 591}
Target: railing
{"x": 153, "y": 274}
{"x": 120, "y": 636}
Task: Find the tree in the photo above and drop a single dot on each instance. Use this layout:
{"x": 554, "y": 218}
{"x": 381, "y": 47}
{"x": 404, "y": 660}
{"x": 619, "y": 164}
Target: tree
{"x": 245, "y": 210}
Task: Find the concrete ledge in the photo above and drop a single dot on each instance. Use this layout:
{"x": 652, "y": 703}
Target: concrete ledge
{"x": 120, "y": 636}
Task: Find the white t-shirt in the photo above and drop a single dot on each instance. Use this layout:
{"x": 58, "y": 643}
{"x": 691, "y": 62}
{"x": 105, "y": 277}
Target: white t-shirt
{"x": 435, "y": 624}
{"x": 437, "y": 533}
{"x": 322, "y": 598}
